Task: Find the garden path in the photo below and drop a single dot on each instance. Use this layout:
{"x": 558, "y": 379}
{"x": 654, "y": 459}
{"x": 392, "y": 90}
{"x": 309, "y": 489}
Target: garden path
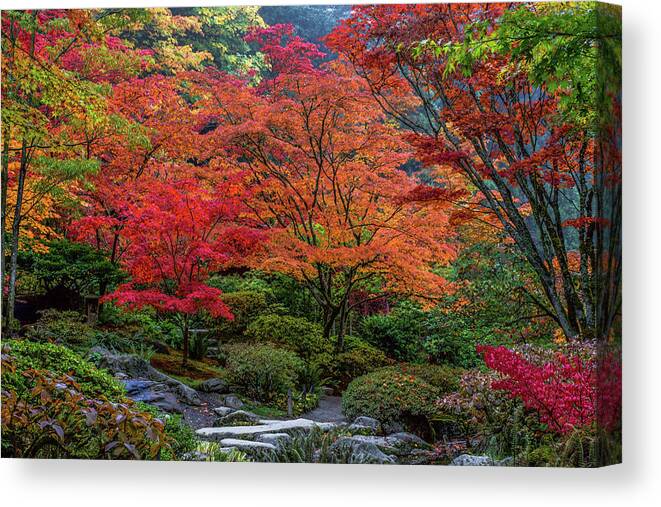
{"x": 328, "y": 410}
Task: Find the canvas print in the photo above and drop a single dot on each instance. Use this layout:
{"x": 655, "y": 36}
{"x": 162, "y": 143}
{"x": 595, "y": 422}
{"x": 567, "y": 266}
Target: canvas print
{"x": 370, "y": 234}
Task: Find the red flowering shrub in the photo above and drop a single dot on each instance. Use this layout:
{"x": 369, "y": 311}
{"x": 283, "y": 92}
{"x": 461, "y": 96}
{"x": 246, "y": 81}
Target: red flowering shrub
{"x": 567, "y": 392}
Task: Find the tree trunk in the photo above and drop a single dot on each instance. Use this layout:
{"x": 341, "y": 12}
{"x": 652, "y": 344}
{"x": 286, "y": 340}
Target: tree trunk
{"x": 186, "y": 334}
{"x": 341, "y": 320}
{"x": 3, "y": 204}
{"x": 15, "y": 230}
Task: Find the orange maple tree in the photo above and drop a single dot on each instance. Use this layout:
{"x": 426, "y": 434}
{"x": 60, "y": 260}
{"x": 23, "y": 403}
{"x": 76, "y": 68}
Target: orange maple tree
{"x": 325, "y": 172}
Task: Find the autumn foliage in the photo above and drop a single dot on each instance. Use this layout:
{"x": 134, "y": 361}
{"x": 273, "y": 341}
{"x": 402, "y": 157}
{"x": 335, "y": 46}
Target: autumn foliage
{"x": 567, "y": 392}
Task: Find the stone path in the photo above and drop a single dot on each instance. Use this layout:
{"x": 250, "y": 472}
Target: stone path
{"x": 328, "y": 410}
{"x": 264, "y": 426}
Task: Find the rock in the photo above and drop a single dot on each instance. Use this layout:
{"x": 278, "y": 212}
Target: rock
{"x": 233, "y": 401}
{"x": 357, "y": 429}
{"x": 370, "y": 422}
{"x": 469, "y": 460}
{"x": 277, "y": 439}
{"x": 364, "y": 425}
{"x": 131, "y": 366}
{"x": 187, "y": 394}
{"x": 409, "y": 440}
{"x": 392, "y": 427}
{"x": 194, "y": 456}
{"x": 505, "y": 462}
{"x": 239, "y": 416}
{"x": 223, "y": 411}
{"x": 247, "y": 445}
{"x": 214, "y": 385}
{"x": 135, "y": 368}
{"x": 153, "y": 393}
{"x": 264, "y": 426}
{"x": 359, "y": 451}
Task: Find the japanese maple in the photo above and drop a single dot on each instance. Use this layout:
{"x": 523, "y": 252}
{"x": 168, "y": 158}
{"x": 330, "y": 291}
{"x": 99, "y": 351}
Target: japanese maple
{"x": 471, "y": 85}
{"x": 179, "y": 234}
{"x": 567, "y": 392}
{"x": 324, "y": 170}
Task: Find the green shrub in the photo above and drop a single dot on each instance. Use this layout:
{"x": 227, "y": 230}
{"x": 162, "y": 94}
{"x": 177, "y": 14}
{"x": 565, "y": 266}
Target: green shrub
{"x": 398, "y": 333}
{"x": 66, "y": 328}
{"x": 394, "y": 398}
{"x": 74, "y": 269}
{"x": 294, "y": 333}
{"x": 140, "y": 325}
{"x": 446, "y": 345}
{"x": 246, "y": 305}
{"x": 59, "y": 360}
{"x": 444, "y": 378}
{"x": 123, "y": 344}
{"x": 180, "y": 437}
{"x": 358, "y": 358}
{"x": 262, "y": 372}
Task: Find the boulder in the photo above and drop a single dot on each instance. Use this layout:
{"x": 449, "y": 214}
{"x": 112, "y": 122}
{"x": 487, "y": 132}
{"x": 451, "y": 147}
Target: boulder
{"x": 233, "y": 401}
{"x": 153, "y": 393}
{"x": 369, "y": 422}
{"x": 194, "y": 456}
{"x": 277, "y": 439}
{"x": 214, "y": 385}
{"x": 236, "y": 417}
{"x": 356, "y": 450}
{"x": 364, "y": 425}
{"x": 408, "y": 440}
{"x": 223, "y": 411}
{"x": 392, "y": 427}
{"x": 247, "y": 445}
{"x": 129, "y": 365}
{"x": 136, "y": 368}
{"x": 470, "y": 460}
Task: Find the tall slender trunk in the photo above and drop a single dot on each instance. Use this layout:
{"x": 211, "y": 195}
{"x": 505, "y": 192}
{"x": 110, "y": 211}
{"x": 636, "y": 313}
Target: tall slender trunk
{"x": 186, "y": 336}
{"x": 15, "y": 230}
{"x": 341, "y": 320}
{"x": 3, "y": 202}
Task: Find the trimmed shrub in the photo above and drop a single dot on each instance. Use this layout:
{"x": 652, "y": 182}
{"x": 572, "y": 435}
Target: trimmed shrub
{"x": 66, "y": 328}
{"x": 262, "y": 372}
{"x": 59, "y": 360}
{"x": 394, "y": 398}
{"x": 246, "y": 305}
{"x": 294, "y": 333}
{"x": 444, "y": 378}
{"x": 358, "y": 358}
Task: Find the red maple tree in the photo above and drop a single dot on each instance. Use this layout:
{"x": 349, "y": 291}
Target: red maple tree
{"x": 179, "y": 233}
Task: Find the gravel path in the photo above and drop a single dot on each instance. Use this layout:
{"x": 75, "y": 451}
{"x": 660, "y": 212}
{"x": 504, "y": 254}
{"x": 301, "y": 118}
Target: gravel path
{"x": 329, "y": 410}
{"x": 203, "y": 416}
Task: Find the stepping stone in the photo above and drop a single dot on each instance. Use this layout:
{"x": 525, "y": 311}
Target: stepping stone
{"x": 277, "y": 439}
{"x": 247, "y": 445}
{"x": 264, "y": 426}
